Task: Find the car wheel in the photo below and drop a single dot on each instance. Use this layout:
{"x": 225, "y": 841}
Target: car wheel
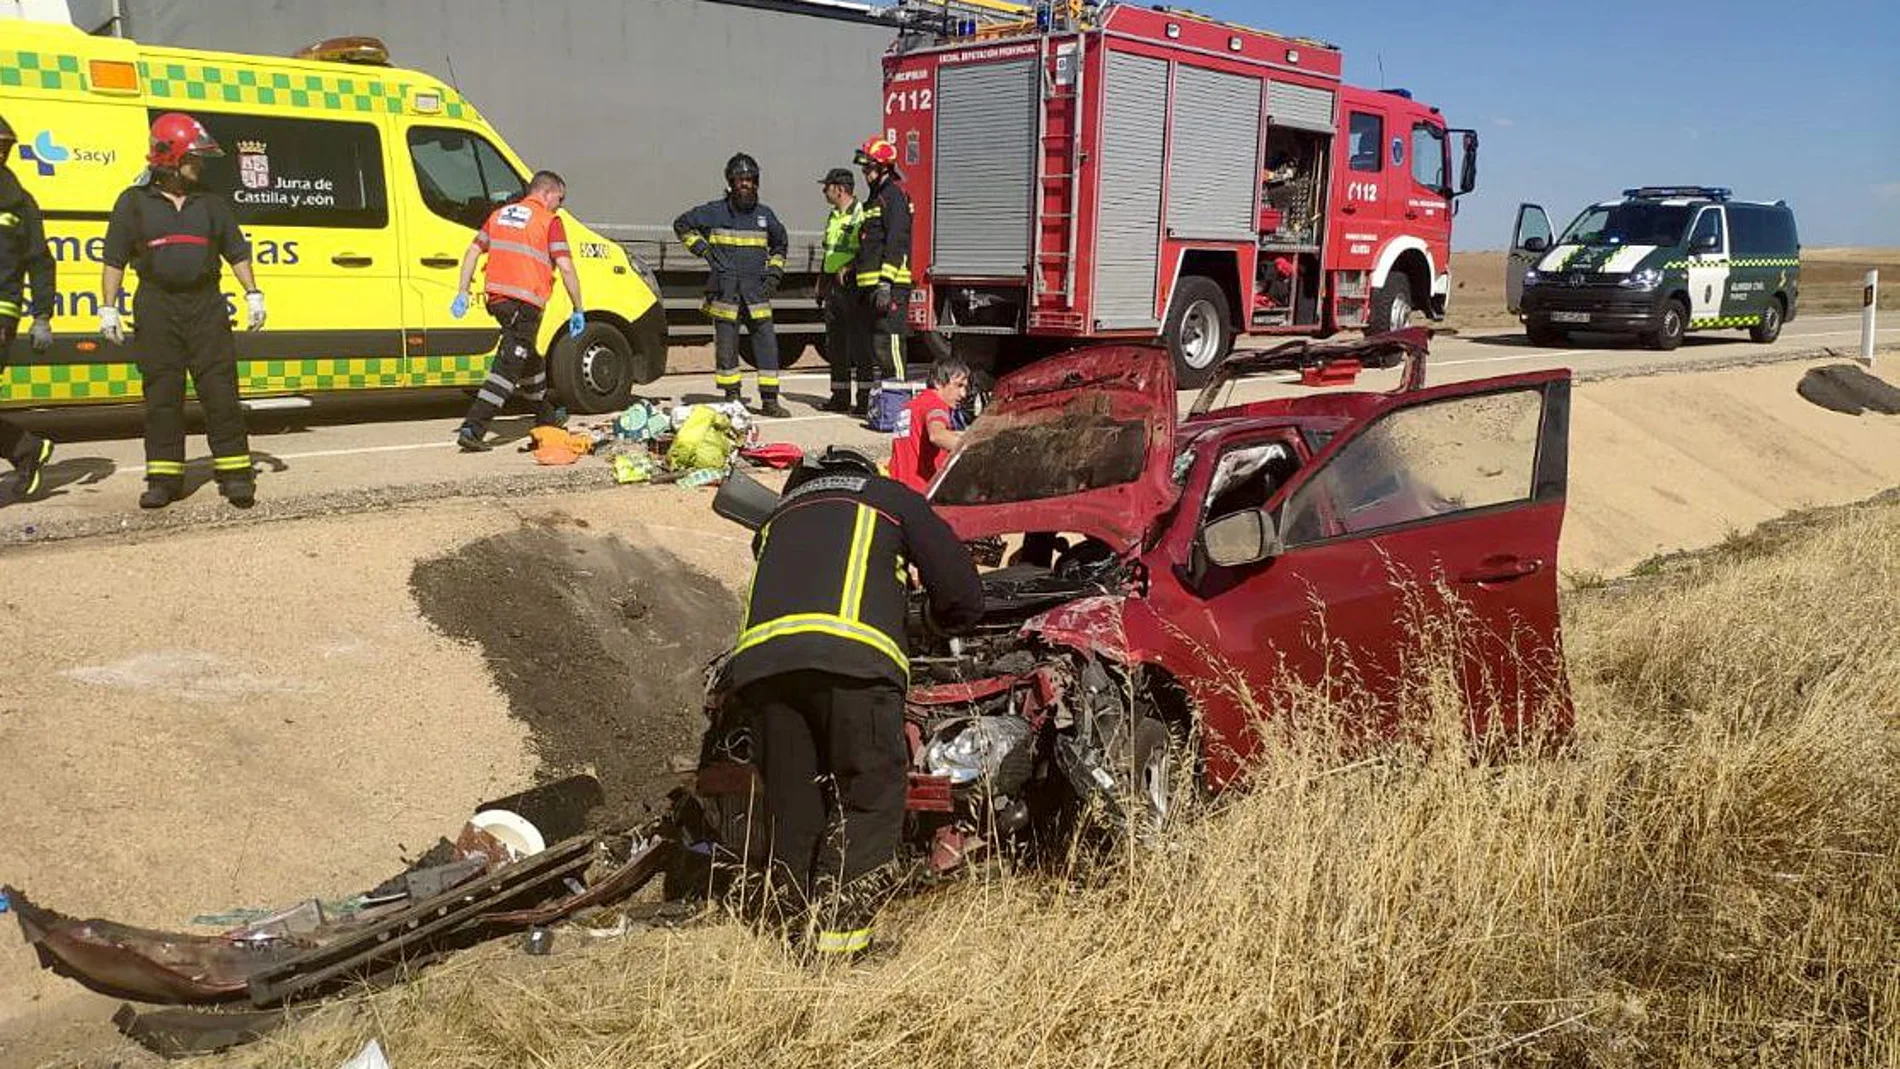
{"x": 594, "y": 372}
{"x": 1199, "y": 331}
{"x": 1391, "y": 306}
{"x": 1769, "y": 328}
{"x": 1547, "y": 337}
{"x": 1671, "y": 324}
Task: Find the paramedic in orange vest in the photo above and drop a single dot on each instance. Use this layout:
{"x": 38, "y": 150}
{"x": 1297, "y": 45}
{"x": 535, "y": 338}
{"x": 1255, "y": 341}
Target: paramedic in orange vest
{"x": 525, "y": 242}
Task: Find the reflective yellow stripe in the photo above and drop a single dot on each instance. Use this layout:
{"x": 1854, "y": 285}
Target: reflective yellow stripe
{"x": 164, "y": 467}
{"x": 241, "y": 462}
{"x": 693, "y": 240}
{"x": 721, "y": 310}
{"x": 769, "y": 382}
{"x": 895, "y": 273}
{"x": 9, "y": 310}
{"x": 775, "y": 261}
{"x": 897, "y": 355}
{"x": 818, "y": 623}
{"x": 870, "y": 278}
{"x": 874, "y": 213}
{"x": 738, "y": 237}
{"x": 519, "y": 248}
{"x": 759, "y": 311}
{"x": 728, "y": 378}
{"x": 843, "y": 942}
{"x": 856, "y": 563}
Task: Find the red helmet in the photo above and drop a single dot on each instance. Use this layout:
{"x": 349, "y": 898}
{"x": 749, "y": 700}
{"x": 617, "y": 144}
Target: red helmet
{"x": 878, "y": 151}
{"x": 175, "y": 136}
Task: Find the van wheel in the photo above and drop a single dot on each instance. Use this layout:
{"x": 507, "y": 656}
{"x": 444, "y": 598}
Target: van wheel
{"x": 1769, "y": 328}
{"x": 594, "y": 372}
{"x": 1671, "y": 324}
{"x": 1392, "y": 305}
{"x": 1199, "y": 331}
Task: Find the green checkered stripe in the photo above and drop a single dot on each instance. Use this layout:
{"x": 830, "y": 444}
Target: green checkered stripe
{"x": 33, "y": 384}
{"x": 198, "y": 83}
{"x": 1773, "y": 261}
{"x": 40, "y": 70}
{"x": 1725, "y": 321}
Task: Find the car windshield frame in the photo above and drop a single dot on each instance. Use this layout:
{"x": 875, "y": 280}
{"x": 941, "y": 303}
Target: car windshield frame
{"x": 1632, "y": 223}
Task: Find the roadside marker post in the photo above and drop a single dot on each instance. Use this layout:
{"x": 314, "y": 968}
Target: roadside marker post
{"x": 1869, "y": 286}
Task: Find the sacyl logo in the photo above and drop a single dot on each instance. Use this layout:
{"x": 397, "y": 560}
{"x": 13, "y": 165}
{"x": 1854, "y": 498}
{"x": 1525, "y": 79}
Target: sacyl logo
{"x": 44, "y": 153}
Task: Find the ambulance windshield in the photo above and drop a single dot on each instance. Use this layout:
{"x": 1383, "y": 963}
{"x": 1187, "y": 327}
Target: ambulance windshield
{"x": 1632, "y": 223}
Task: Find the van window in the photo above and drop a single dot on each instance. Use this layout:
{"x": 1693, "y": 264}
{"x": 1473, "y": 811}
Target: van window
{"x": 461, "y": 176}
{"x": 1429, "y": 165}
{"x": 1761, "y": 230}
{"x": 1366, "y": 136}
{"x": 1629, "y": 223}
{"x": 297, "y": 172}
{"x": 1708, "y": 225}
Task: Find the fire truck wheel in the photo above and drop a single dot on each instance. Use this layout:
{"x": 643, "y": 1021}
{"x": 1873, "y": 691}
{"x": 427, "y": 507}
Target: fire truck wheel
{"x": 1392, "y": 305}
{"x": 1199, "y": 330}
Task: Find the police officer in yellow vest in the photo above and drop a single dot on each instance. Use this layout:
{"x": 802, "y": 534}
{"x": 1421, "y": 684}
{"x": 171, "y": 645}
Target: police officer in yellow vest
{"x": 847, "y": 328}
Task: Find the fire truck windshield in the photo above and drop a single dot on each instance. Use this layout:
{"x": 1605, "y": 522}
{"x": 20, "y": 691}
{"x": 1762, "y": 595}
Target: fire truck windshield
{"x": 1634, "y": 223}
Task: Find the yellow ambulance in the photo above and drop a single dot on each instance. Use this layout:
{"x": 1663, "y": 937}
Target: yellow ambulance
{"x": 359, "y": 185}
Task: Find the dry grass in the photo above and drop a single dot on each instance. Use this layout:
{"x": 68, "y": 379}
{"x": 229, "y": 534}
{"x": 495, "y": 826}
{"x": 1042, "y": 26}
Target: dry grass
{"x": 1709, "y": 879}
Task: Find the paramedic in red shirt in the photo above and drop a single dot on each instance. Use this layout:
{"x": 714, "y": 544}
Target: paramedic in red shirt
{"x": 926, "y": 431}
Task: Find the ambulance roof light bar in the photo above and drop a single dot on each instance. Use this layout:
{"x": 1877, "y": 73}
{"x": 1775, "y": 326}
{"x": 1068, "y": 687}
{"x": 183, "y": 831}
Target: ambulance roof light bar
{"x": 367, "y": 51}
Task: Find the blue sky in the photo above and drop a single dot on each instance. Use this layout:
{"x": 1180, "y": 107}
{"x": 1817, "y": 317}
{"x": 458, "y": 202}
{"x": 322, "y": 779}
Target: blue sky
{"x": 1798, "y": 100}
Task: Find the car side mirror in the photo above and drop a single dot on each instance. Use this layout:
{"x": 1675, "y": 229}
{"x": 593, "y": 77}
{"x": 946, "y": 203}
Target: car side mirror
{"x": 1536, "y": 244}
{"x": 1241, "y": 538}
{"x": 1706, "y": 243}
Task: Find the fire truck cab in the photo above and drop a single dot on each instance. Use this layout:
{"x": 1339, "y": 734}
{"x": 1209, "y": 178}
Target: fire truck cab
{"x": 1129, "y": 172}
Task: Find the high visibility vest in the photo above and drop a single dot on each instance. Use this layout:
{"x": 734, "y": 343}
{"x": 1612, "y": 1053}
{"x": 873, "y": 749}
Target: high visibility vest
{"x": 841, "y": 236}
{"x": 520, "y": 259}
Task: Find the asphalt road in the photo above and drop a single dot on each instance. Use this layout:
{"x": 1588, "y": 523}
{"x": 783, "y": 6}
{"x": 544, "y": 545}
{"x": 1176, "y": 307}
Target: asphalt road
{"x": 345, "y": 453}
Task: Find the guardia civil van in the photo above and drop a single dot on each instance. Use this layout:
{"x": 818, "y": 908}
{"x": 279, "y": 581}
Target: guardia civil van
{"x": 1660, "y": 262}
{"x": 359, "y": 184}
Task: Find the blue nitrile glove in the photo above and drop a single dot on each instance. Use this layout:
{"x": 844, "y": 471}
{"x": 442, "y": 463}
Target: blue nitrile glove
{"x": 575, "y": 324}
{"x": 459, "y": 306}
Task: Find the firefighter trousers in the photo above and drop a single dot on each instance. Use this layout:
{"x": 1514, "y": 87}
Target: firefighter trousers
{"x": 518, "y": 367}
{"x": 16, "y": 445}
{"x": 848, "y": 343}
{"x": 885, "y": 331}
{"x": 833, "y": 755}
{"x": 726, "y": 317}
{"x": 180, "y": 332}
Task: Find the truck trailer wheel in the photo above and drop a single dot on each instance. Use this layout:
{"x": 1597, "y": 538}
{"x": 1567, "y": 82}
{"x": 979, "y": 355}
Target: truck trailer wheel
{"x": 1199, "y": 331}
{"x": 594, "y": 372}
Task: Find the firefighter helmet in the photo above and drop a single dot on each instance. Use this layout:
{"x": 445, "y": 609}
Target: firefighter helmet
{"x": 876, "y": 151}
{"x": 176, "y": 135}
{"x": 7, "y": 135}
{"x": 835, "y": 460}
{"x": 740, "y": 166}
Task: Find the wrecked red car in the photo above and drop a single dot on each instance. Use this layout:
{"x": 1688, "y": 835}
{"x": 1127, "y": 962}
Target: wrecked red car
{"x": 1169, "y": 575}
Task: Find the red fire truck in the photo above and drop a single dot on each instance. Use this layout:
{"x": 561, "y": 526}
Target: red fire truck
{"x": 1131, "y": 172}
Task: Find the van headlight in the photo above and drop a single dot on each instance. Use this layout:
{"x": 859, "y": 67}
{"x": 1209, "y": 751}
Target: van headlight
{"x": 1646, "y": 279}
{"x": 1533, "y": 277}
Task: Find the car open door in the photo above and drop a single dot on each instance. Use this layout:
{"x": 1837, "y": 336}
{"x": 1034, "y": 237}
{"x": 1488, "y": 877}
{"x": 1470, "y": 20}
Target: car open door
{"x": 1427, "y": 528}
{"x": 1530, "y": 240}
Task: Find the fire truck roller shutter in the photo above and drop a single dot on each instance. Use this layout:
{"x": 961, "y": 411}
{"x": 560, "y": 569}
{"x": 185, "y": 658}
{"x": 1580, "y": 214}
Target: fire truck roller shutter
{"x": 986, "y": 134}
{"x": 1128, "y": 236}
{"x": 1213, "y": 170}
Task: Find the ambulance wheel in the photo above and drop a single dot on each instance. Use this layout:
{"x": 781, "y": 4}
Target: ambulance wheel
{"x": 594, "y": 372}
{"x": 1769, "y": 328}
{"x": 1199, "y": 331}
{"x": 1671, "y": 324}
{"x": 1391, "y": 305}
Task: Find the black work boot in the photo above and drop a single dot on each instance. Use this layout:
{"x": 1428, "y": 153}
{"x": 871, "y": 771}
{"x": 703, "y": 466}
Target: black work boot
{"x": 158, "y": 494}
{"x": 733, "y": 396}
{"x": 241, "y": 493}
{"x": 27, "y": 469}
{"x": 471, "y": 440}
{"x": 840, "y": 402}
{"x": 862, "y": 406}
{"x": 770, "y": 408}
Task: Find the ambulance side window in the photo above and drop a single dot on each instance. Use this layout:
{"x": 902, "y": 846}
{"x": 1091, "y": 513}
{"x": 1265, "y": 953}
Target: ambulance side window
{"x": 1366, "y": 136}
{"x": 461, "y": 177}
{"x": 297, "y": 172}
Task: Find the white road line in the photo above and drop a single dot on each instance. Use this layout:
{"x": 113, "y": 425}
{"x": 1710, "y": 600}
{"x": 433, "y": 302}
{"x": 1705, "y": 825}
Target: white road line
{"x": 311, "y": 455}
{"x": 1553, "y": 353}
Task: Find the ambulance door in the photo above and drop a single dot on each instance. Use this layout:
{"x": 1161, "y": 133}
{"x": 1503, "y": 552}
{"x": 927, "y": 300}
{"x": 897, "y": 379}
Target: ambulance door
{"x": 452, "y": 177}
{"x": 77, "y": 150}
{"x": 312, "y": 195}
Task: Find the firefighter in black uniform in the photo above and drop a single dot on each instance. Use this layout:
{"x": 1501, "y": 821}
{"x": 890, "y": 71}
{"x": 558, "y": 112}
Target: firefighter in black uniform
{"x": 883, "y": 267}
{"x": 173, "y": 232}
{"x": 24, "y": 257}
{"x": 821, "y": 666}
{"x": 743, "y": 244}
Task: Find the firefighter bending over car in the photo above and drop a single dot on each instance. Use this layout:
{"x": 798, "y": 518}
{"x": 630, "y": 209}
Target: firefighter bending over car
{"x": 25, "y": 262}
{"x": 743, "y": 244}
{"x": 173, "y": 231}
{"x": 821, "y": 667}
{"x": 883, "y": 266}
{"x": 525, "y": 242}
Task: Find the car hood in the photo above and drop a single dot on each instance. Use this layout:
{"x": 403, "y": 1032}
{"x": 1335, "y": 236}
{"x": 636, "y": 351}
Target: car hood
{"x": 1083, "y": 442}
{"x": 1599, "y": 259}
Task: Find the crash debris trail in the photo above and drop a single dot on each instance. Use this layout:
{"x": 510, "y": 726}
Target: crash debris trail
{"x": 600, "y": 647}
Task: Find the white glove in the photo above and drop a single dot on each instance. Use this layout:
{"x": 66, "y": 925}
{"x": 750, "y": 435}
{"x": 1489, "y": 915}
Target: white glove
{"x": 109, "y": 326}
{"x": 42, "y": 335}
{"x": 255, "y": 302}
